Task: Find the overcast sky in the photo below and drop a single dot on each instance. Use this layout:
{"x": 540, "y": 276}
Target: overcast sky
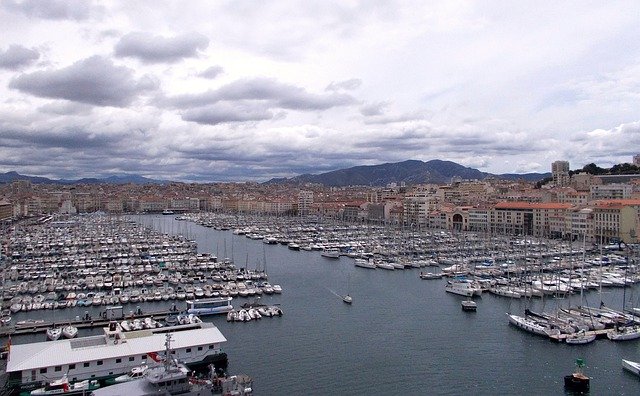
{"x": 249, "y": 90}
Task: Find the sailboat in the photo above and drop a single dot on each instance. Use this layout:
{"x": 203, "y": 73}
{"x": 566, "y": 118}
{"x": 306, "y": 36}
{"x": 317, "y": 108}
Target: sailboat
{"x": 581, "y": 337}
{"x": 624, "y": 332}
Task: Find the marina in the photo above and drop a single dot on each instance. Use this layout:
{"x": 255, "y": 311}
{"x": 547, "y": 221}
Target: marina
{"x": 306, "y": 274}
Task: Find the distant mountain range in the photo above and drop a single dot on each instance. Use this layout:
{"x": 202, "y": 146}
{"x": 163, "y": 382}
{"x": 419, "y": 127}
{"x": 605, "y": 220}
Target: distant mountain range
{"x": 119, "y": 179}
{"x": 409, "y": 172}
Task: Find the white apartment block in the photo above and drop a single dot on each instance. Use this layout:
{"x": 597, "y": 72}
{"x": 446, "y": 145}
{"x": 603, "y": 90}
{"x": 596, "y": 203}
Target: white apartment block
{"x": 611, "y": 191}
{"x": 305, "y": 200}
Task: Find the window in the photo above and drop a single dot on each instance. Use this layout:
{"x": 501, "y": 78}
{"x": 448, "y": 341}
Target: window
{"x": 118, "y": 360}
{"x": 211, "y": 346}
{"x": 86, "y": 364}
{"x": 58, "y": 368}
{"x": 131, "y": 358}
{"x": 43, "y": 370}
{"x": 72, "y": 366}
{"x": 199, "y": 348}
{"x": 143, "y": 357}
{"x": 188, "y": 350}
{"x": 99, "y": 363}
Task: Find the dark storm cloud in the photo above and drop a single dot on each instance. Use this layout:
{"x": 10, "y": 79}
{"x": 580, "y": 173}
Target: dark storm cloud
{"x": 212, "y": 72}
{"x": 68, "y": 138}
{"x": 221, "y": 113}
{"x": 156, "y": 49}
{"x": 17, "y": 56}
{"x": 274, "y": 93}
{"x": 347, "y": 85}
{"x": 53, "y": 9}
{"x": 94, "y": 80}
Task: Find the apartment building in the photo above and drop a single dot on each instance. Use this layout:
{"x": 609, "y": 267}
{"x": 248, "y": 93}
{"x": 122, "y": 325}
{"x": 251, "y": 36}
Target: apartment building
{"x": 611, "y": 191}
{"x": 524, "y": 218}
{"x": 560, "y": 173}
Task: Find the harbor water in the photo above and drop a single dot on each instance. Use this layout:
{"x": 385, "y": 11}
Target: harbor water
{"x": 401, "y": 336}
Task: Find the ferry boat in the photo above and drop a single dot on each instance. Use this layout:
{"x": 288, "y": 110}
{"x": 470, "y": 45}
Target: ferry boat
{"x": 110, "y": 355}
{"x": 210, "y": 306}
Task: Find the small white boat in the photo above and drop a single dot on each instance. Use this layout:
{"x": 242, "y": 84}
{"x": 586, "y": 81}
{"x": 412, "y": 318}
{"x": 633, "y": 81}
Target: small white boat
{"x": 347, "y": 299}
{"x": 69, "y": 331}
{"x": 63, "y": 387}
{"x": 469, "y": 305}
{"x": 579, "y": 338}
{"x": 633, "y": 367}
{"x": 54, "y": 333}
{"x": 362, "y": 263}
{"x": 332, "y": 253}
{"x": 430, "y": 275}
{"x": 624, "y": 333}
{"x": 125, "y": 325}
{"x": 133, "y": 374}
{"x": 254, "y": 314}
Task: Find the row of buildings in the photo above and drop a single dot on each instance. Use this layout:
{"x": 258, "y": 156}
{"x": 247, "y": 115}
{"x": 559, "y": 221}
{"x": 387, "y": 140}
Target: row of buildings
{"x": 593, "y": 208}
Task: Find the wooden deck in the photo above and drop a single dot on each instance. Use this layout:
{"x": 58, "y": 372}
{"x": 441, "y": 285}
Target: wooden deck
{"x": 599, "y": 334}
{"x": 41, "y": 327}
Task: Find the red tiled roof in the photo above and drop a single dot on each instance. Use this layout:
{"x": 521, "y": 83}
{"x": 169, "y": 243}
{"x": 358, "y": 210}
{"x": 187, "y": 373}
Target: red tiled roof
{"x": 532, "y": 205}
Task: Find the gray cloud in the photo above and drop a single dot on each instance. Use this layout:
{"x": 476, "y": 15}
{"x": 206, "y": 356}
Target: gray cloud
{"x": 157, "y": 49}
{"x": 94, "y": 80}
{"x": 373, "y": 109}
{"x": 17, "y": 56}
{"x": 212, "y": 72}
{"x": 54, "y": 9}
{"x": 347, "y": 85}
{"x": 274, "y": 93}
{"x": 65, "y": 108}
{"x": 223, "y": 112}
{"x": 389, "y": 119}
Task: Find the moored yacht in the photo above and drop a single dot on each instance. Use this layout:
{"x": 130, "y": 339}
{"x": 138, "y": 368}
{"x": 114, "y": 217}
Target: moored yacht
{"x": 463, "y": 287}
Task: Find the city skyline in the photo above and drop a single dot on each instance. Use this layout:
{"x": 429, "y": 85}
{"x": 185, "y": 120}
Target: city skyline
{"x": 234, "y": 91}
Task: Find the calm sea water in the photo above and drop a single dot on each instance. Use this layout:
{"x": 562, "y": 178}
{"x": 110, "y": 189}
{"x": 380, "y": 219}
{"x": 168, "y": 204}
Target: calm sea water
{"x": 401, "y": 336}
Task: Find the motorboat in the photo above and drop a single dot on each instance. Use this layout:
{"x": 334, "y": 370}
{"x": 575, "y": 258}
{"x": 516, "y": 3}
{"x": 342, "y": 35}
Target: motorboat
{"x": 133, "y": 374}
{"x": 64, "y": 387}
{"x": 362, "y": 263}
{"x": 469, "y": 305}
{"x": 69, "y": 331}
{"x": 54, "y": 333}
{"x": 463, "y": 287}
{"x": 347, "y": 299}
{"x": 332, "y": 253}
{"x": 430, "y": 275}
